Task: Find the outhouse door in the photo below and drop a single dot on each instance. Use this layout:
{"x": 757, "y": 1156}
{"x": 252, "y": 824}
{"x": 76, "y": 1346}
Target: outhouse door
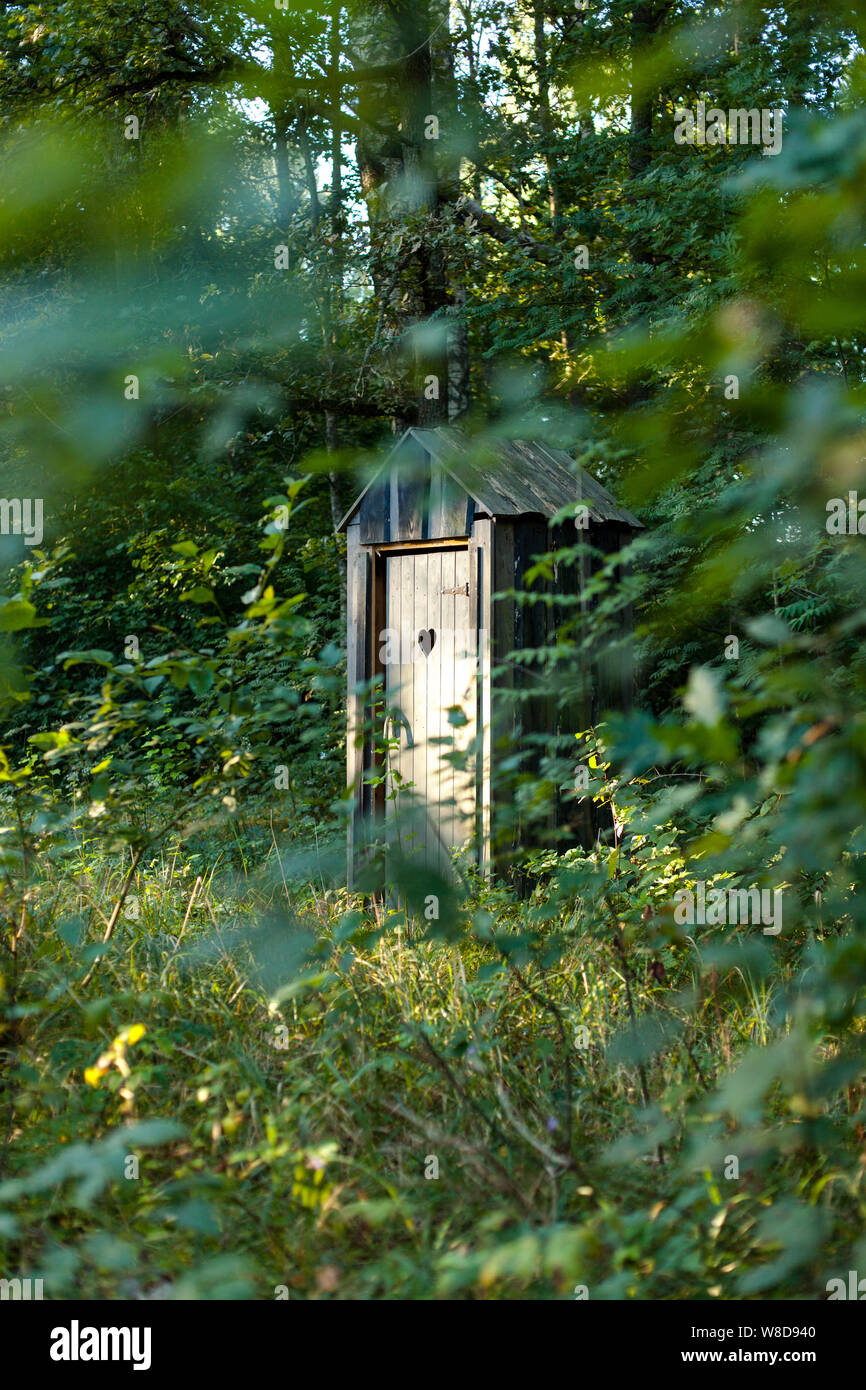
{"x": 430, "y": 658}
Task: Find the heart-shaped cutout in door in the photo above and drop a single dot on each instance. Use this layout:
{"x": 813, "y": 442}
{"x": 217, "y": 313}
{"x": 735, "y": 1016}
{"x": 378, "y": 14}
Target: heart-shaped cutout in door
{"x": 427, "y": 640}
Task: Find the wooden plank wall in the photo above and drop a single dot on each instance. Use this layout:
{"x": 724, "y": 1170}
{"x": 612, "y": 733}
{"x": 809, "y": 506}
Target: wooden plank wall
{"x": 534, "y": 629}
{"x": 570, "y": 581}
{"x": 614, "y": 686}
{"x": 524, "y": 710}
{"x": 609, "y": 678}
{"x": 505, "y": 720}
{"x": 414, "y": 501}
{"x": 357, "y": 594}
{"x": 524, "y": 703}
{"x": 481, "y": 607}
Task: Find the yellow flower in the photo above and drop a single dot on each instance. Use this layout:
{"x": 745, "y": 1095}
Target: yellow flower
{"x": 127, "y": 1037}
{"x": 114, "y": 1056}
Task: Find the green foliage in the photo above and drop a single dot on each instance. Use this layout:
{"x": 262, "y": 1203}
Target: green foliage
{"x": 221, "y": 1076}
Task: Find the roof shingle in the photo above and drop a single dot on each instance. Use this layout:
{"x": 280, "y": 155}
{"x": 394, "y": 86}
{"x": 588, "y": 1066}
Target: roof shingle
{"x": 511, "y": 477}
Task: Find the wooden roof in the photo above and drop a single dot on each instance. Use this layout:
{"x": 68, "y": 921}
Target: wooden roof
{"x": 510, "y": 477}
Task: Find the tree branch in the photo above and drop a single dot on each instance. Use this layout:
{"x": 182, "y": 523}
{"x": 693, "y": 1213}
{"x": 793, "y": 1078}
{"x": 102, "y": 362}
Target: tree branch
{"x": 501, "y": 232}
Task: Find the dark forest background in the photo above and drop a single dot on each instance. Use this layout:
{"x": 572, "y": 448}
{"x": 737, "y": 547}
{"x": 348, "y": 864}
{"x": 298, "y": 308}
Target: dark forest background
{"x": 244, "y": 246}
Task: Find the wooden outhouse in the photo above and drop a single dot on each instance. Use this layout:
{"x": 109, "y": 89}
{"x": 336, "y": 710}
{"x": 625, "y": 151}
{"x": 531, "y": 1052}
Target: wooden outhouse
{"x": 444, "y": 525}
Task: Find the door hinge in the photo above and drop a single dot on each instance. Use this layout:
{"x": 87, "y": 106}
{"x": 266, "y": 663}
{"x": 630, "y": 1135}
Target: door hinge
{"x": 464, "y": 589}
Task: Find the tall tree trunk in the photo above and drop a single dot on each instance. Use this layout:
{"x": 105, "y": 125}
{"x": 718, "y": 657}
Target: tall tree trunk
{"x": 400, "y": 180}
{"x": 646, "y": 22}
{"x": 545, "y": 115}
{"x": 286, "y": 198}
{"x": 414, "y": 20}
{"x": 332, "y": 290}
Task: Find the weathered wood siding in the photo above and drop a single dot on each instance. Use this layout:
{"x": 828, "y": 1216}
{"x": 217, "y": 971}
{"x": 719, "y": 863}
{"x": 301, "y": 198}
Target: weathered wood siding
{"x": 441, "y": 515}
{"x": 414, "y": 500}
{"x": 357, "y": 639}
{"x": 481, "y": 607}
